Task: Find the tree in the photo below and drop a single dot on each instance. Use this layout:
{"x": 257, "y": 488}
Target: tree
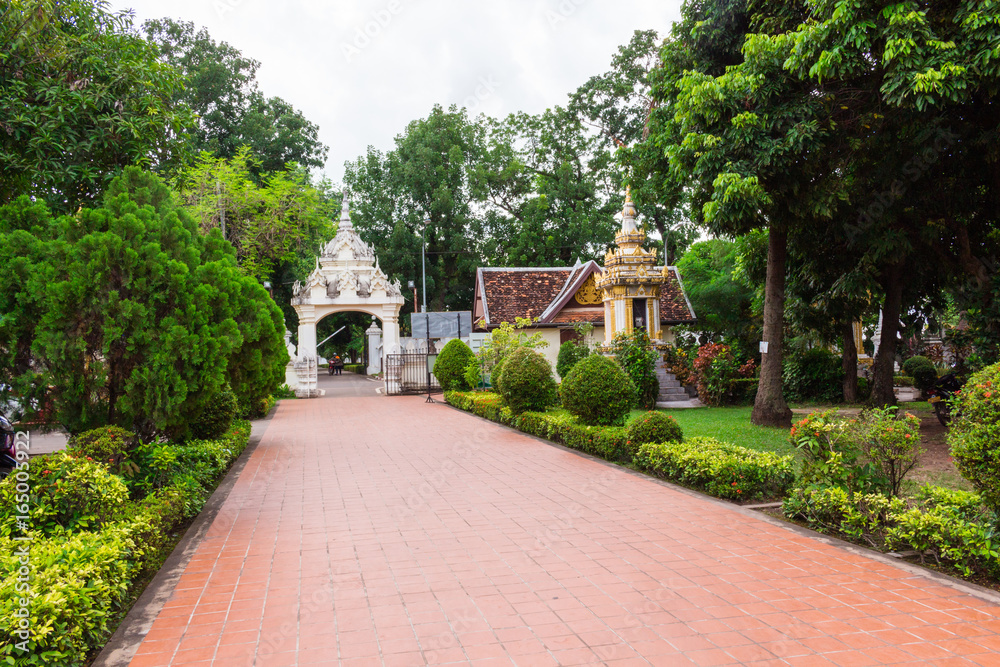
{"x": 549, "y": 190}
{"x": 427, "y": 174}
{"x": 127, "y": 315}
{"x": 232, "y": 112}
{"x": 618, "y": 105}
{"x": 81, "y": 97}
{"x": 268, "y": 220}
{"x": 746, "y": 136}
{"x": 723, "y": 303}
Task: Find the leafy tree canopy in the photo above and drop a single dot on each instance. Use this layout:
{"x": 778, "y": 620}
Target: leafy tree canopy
{"x": 222, "y": 89}
{"x": 127, "y": 315}
{"x": 81, "y": 97}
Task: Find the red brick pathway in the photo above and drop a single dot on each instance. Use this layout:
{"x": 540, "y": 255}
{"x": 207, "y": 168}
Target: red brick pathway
{"x": 386, "y": 531}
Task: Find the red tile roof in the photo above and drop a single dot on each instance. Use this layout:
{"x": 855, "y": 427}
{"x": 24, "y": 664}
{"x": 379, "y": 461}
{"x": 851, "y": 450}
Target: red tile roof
{"x": 512, "y": 293}
{"x": 527, "y": 292}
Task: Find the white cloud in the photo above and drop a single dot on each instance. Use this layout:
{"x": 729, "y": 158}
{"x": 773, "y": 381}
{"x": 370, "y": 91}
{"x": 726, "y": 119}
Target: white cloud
{"x": 411, "y": 54}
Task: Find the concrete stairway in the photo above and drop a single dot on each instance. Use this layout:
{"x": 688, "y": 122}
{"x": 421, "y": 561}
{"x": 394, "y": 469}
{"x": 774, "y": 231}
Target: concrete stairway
{"x": 671, "y": 390}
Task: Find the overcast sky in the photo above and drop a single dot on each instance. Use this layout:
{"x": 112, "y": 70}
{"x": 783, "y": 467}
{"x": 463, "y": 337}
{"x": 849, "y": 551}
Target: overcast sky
{"x": 362, "y": 70}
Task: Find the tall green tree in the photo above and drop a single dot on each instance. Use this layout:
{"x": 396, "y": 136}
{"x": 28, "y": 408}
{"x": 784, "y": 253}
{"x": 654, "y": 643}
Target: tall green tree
{"x": 81, "y": 97}
{"x": 426, "y": 174}
{"x": 221, "y": 87}
{"x": 617, "y": 105}
{"x": 550, "y": 191}
{"x": 128, "y": 315}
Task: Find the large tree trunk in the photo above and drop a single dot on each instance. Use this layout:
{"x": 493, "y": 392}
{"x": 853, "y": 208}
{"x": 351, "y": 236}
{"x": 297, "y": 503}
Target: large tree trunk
{"x": 770, "y": 409}
{"x": 849, "y": 360}
{"x": 882, "y": 393}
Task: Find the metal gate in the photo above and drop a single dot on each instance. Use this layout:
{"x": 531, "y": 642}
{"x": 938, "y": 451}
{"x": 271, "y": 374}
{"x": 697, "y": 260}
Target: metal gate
{"x": 408, "y": 374}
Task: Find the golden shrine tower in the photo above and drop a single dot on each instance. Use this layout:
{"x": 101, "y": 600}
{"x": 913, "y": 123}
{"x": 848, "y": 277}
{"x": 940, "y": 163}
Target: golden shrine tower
{"x": 631, "y": 282}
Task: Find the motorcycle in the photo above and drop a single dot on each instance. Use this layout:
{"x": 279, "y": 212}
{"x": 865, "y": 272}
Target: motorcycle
{"x": 8, "y": 454}
{"x": 941, "y": 393}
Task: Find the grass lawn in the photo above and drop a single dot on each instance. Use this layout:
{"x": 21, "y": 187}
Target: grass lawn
{"x": 731, "y": 425}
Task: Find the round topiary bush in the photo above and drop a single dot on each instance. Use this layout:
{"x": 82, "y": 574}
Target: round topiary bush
{"x": 526, "y": 382}
{"x": 974, "y": 436}
{"x": 570, "y": 353}
{"x": 922, "y": 370}
{"x": 449, "y": 369}
{"x": 652, "y": 426}
{"x": 598, "y": 391}
{"x": 107, "y": 445}
{"x": 217, "y": 416}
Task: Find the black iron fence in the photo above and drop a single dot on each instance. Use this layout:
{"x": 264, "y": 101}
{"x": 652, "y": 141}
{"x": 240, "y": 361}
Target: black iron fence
{"x": 409, "y": 374}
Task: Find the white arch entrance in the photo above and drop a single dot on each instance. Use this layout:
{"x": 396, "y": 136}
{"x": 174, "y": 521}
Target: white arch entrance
{"x": 347, "y": 278}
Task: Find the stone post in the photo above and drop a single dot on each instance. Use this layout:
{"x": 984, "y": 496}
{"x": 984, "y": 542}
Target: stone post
{"x": 374, "y": 348}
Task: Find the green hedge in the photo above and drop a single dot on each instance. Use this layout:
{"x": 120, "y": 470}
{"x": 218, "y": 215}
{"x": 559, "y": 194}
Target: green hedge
{"x": 360, "y": 369}
{"x": 82, "y": 564}
{"x": 704, "y": 463}
{"x": 952, "y": 528}
{"x": 719, "y": 468}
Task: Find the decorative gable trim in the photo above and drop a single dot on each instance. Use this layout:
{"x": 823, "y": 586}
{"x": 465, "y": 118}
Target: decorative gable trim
{"x": 576, "y": 280}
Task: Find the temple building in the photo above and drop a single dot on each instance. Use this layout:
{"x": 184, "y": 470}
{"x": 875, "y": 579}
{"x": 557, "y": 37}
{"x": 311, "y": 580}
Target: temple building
{"x": 628, "y": 291}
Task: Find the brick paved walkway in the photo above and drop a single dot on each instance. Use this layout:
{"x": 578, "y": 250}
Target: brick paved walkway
{"x": 372, "y": 530}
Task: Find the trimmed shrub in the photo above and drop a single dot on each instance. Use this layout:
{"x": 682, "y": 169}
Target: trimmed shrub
{"x": 717, "y": 370}
{"x": 526, "y": 382}
{"x": 607, "y": 442}
{"x": 218, "y": 415}
{"x": 652, "y": 426}
{"x": 108, "y": 445}
{"x": 890, "y": 442}
{"x": 950, "y": 526}
{"x": 922, "y": 370}
{"x": 719, "y": 468}
{"x": 974, "y": 436}
{"x": 859, "y": 516}
{"x": 357, "y": 369}
{"x": 598, "y": 391}
{"x": 449, "y": 369}
{"x": 635, "y": 354}
{"x": 67, "y": 493}
{"x": 813, "y": 375}
{"x": 570, "y": 353}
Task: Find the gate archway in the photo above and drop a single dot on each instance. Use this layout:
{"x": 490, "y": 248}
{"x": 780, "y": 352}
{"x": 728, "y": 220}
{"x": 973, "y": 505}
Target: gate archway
{"x": 347, "y": 278}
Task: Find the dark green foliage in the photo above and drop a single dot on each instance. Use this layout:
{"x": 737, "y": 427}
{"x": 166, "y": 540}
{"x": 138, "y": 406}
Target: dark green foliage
{"x": 598, "y": 391}
{"x": 974, "y": 436}
{"x": 813, "y": 375}
{"x": 570, "y": 352}
{"x": 81, "y": 97}
{"x": 127, "y": 315}
{"x": 449, "y": 369}
{"x": 357, "y": 369}
{"x": 721, "y": 301}
{"x": 652, "y": 426}
{"x": 221, "y": 87}
{"x": 637, "y": 358}
{"x": 922, "y": 370}
{"x": 217, "y": 415}
{"x": 526, "y": 382}
{"x": 107, "y": 444}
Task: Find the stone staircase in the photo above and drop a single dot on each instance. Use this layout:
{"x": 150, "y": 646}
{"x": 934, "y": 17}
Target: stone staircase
{"x": 671, "y": 390}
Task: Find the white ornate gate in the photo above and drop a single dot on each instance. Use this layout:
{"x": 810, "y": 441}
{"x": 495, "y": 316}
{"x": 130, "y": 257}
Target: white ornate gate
{"x": 347, "y": 278}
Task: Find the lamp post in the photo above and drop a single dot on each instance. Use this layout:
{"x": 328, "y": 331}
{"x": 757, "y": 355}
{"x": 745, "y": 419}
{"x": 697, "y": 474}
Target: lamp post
{"x": 412, "y": 284}
{"x": 423, "y": 262}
